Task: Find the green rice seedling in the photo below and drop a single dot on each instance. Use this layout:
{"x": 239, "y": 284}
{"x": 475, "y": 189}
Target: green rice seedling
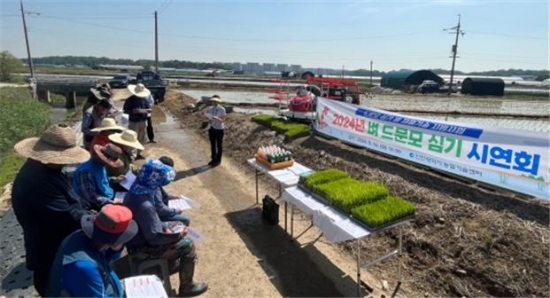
{"x": 289, "y": 129}
{"x": 348, "y": 193}
{"x": 263, "y": 119}
{"x": 323, "y": 176}
{"x": 384, "y": 211}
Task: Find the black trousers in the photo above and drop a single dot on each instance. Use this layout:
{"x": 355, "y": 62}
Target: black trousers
{"x": 216, "y": 140}
{"x": 150, "y": 132}
{"x": 41, "y": 276}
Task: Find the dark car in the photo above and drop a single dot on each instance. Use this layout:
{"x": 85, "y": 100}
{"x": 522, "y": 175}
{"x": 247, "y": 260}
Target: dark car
{"x": 120, "y": 81}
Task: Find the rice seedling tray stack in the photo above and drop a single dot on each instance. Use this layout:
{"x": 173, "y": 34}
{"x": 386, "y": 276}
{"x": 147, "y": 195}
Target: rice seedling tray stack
{"x": 368, "y": 203}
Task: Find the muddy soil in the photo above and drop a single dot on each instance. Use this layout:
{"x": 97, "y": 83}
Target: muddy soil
{"x": 465, "y": 240}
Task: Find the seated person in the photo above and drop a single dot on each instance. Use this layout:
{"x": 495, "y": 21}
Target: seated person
{"x": 108, "y": 126}
{"x": 161, "y": 201}
{"x": 154, "y": 240}
{"x": 128, "y": 142}
{"x": 81, "y": 266}
{"x": 90, "y": 179}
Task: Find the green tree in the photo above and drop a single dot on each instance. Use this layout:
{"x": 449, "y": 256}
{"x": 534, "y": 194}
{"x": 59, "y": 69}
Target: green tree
{"x": 542, "y": 77}
{"x": 9, "y": 64}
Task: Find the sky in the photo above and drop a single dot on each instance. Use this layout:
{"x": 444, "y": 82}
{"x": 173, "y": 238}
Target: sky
{"x": 393, "y": 34}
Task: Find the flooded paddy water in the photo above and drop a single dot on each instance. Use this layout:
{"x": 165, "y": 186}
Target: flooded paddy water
{"x": 531, "y": 115}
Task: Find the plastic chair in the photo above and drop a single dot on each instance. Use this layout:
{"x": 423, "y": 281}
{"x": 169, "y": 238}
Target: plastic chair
{"x": 158, "y": 267}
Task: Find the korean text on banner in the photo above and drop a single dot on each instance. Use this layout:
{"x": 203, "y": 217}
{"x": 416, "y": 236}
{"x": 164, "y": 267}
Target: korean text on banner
{"x": 512, "y": 159}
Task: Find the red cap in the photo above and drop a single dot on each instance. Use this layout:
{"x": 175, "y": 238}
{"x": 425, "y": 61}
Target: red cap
{"x": 113, "y": 219}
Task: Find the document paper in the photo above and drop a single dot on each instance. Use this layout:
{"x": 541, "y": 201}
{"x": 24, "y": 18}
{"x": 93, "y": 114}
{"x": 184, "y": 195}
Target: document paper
{"x": 144, "y": 286}
{"x": 129, "y": 179}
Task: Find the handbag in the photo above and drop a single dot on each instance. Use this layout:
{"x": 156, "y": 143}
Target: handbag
{"x": 270, "y": 210}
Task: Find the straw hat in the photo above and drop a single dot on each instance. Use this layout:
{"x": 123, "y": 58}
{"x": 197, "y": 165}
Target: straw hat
{"x": 109, "y": 154}
{"x": 108, "y": 124}
{"x": 139, "y": 90}
{"x": 57, "y": 145}
{"x": 101, "y": 93}
{"x": 216, "y": 99}
{"x": 127, "y": 138}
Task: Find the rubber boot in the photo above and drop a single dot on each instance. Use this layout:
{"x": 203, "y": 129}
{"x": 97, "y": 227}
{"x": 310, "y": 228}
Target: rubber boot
{"x": 188, "y": 288}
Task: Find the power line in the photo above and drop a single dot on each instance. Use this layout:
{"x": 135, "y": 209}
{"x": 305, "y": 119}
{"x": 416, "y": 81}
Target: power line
{"x": 241, "y": 39}
{"x": 509, "y": 35}
{"x": 163, "y": 7}
{"x": 75, "y": 18}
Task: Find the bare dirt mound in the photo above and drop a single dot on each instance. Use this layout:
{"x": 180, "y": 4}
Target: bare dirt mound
{"x": 465, "y": 241}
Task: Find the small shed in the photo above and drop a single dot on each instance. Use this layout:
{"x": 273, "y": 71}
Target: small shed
{"x": 483, "y": 86}
{"x": 401, "y": 79}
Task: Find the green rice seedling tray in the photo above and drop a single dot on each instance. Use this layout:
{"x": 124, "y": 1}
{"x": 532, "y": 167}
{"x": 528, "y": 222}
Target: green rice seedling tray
{"x": 324, "y": 176}
{"x": 381, "y": 228}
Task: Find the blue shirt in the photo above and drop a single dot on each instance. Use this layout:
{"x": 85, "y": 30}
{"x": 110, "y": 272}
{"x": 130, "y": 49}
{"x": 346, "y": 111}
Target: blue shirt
{"x": 217, "y": 111}
{"x": 81, "y": 270}
{"x": 92, "y": 184}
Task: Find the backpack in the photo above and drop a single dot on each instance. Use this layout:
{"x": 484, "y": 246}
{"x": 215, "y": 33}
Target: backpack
{"x": 270, "y": 210}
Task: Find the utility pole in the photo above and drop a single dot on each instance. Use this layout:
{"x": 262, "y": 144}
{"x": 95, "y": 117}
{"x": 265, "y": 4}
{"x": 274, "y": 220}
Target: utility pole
{"x": 156, "y": 44}
{"x": 455, "y": 30}
{"x": 371, "y": 73}
{"x": 31, "y": 67}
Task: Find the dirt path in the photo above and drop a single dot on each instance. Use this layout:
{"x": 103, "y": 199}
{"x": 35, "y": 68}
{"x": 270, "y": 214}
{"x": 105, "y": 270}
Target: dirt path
{"x": 241, "y": 256}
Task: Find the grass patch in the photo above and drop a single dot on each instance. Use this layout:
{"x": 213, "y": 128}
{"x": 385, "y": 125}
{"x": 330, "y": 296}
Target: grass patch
{"x": 9, "y": 166}
{"x": 349, "y": 193}
{"x": 20, "y": 117}
{"x": 289, "y": 129}
{"x": 383, "y": 211}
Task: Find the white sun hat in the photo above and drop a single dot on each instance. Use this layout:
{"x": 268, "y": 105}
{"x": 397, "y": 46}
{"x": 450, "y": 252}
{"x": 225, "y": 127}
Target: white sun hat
{"x": 108, "y": 124}
{"x": 127, "y": 138}
{"x": 139, "y": 90}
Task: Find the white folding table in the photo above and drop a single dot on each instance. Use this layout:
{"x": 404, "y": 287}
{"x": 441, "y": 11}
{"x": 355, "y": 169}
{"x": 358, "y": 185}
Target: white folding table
{"x": 285, "y": 177}
{"x": 337, "y": 226}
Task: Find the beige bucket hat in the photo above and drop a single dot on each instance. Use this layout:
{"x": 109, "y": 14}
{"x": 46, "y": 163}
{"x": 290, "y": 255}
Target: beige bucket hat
{"x": 139, "y": 90}
{"x": 108, "y": 124}
{"x": 127, "y": 138}
{"x": 57, "y": 145}
{"x": 216, "y": 99}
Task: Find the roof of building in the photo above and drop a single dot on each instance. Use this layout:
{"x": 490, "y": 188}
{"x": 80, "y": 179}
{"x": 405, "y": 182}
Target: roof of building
{"x": 399, "y": 74}
{"x": 485, "y": 80}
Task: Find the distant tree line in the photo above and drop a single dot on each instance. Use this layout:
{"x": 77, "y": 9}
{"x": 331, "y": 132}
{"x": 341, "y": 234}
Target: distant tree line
{"x": 94, "y": 62}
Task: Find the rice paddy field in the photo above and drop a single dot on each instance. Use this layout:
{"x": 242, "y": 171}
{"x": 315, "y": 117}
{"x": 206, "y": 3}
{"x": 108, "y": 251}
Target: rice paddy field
{"x": 523, "y": 114}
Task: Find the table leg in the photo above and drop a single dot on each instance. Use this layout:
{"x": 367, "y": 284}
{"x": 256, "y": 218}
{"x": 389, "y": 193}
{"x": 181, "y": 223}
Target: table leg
{"x": 280, "y": 190}
{"x": 358, "y": 268}
{"x": 286, "y": 209}
{"x": 257, "y": 195}
{"x": 291, "y": 222}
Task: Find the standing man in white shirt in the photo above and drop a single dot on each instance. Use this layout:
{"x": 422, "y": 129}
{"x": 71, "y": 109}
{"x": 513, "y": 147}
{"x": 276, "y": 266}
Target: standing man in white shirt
{"x": 150, "y": 132}
{"x": 216, "y": 116}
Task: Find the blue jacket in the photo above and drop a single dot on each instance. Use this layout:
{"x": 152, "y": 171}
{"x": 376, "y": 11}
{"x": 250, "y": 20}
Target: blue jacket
{"x": 80, "y": 270}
